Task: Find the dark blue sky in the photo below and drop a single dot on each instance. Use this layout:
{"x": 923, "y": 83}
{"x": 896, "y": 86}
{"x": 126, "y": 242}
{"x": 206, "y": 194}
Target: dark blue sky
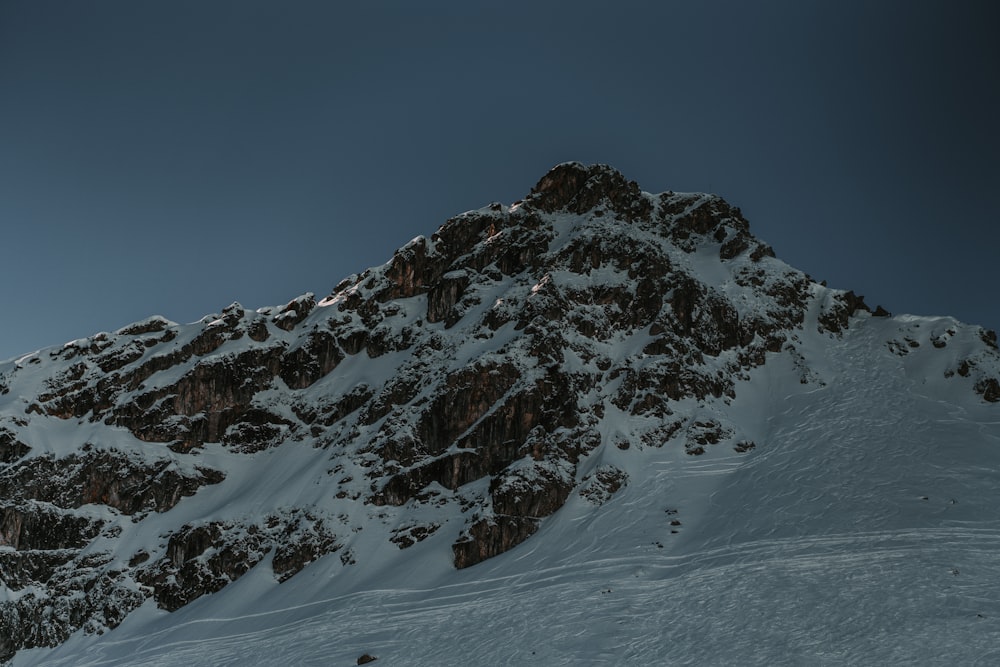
{"x": 170, "y": 158}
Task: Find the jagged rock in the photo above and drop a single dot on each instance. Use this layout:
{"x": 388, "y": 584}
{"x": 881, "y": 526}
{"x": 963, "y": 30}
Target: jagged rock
{"x": 302, "y": 540}
{"x": 204, "y": 558}
{"x": 257, "y": 429}
{"x": 406, "y": 536}
{"x": 989, "y": 389}
{"x": 182, "y": 576}
{"x": 578, "y": 188}
{"x": 95, "y": 603}
{"x": 329, "y": 413}
{"x": 532, "y": 489}
{"x": 606, "y": 481}
{"x": 466, "y": 397}
{"x": 202, "y": 404}
{"x": 19, "y": 569}
{"x": 989, "y": 337}
{"x": 34, "y": 526}
{"x": 488, "y": 537}
{"x": 313, "y": 359}
{"x": 700, "y": 434}
{"x": 127, "y": 484}
{"x": 835, "y": 318}
{"x": 294, "y": 311}
{"x": 443, "y": 297}
{"x": 11, "y": 449}
{"x": 413, "y": 268}
{"x": 149, "y": 325}
{"x": 487, "y": 443}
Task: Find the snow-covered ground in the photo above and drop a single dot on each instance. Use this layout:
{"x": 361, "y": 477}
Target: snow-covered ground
{"x": 863, "y": 529}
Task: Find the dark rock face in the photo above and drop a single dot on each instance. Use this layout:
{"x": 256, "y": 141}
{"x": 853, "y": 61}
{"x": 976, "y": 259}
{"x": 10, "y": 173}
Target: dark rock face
{"x": 102, "y": 477}
{"x": 11, "y": 449}
{"x": 205, "y": 558}
{"x": 44, "y": 525}
{"x": 82, "y": 592}
{"x": 488, "y": 537}
{"x": 41, "y": 528}
{"x": 466, "y": 378}
{"x": 579, "y": 189}
{"x": 606, "y": 481}
{"x": 836, "y": 318}
{"x": 442, "y": 298}
{"x": 989, "y": 389}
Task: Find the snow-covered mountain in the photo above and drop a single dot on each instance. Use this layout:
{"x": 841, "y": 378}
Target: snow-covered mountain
{"x": 597, "y": 426}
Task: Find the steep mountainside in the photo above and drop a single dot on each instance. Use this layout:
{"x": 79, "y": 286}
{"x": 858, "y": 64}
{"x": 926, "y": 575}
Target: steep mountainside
{"x": 523, "y": 360}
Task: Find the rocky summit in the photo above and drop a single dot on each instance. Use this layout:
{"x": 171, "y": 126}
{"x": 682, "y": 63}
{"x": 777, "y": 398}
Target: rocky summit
{"x": 521, "y": 358}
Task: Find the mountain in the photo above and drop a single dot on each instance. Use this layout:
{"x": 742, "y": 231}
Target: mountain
{"x": 597, "y": 426}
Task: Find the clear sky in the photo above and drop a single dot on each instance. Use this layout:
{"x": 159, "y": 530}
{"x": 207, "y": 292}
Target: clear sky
{"x": 173, "y": 157}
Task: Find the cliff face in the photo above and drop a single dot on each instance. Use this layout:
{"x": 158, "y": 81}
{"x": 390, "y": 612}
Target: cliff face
{"x": 463, "y": 391}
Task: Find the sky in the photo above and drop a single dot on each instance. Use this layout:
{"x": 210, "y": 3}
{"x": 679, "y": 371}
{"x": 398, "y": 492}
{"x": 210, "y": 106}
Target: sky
{"x": 173, "y": 157}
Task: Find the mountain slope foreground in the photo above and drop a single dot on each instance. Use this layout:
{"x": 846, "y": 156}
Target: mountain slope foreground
{"x": 608, "y": 424}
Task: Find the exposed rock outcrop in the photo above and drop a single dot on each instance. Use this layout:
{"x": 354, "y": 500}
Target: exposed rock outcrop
{"x": 107, "y": 477}
{"x": 204, "y": 558}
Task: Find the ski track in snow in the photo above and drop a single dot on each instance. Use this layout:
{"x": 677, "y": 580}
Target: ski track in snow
{"x": 710, "y": 609}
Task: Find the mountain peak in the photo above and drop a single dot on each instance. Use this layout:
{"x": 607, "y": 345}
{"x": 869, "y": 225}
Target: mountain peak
{"x": 578, "y": 188}
{"x": 522, "y": 362}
